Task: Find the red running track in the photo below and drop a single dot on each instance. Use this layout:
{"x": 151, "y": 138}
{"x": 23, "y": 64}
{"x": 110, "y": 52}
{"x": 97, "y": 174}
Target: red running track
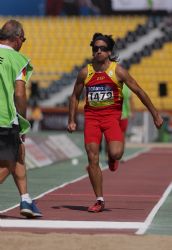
{"x": 130, "y": 194}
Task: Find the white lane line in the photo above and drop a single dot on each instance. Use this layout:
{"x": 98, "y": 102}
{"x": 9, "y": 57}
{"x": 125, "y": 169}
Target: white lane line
{"x": 134, "y": 155}
{"x": 71, "y": 224}
{"x": 49, "y": 191}
{"x": 52, "y": 224}
{"x": 108, "y": 195}
{"x": 78, "y": 179}
{"x": 152, "y": 214}
{"x": 10, "y": 208}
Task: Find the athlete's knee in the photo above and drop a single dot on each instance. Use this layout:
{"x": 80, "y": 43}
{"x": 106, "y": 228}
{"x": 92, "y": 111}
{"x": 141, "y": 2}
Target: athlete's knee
{"x": 92, "y": 152}
{"x": 19, "y": 171}
{"x": 93, "y": 158}
{"x": 116, "y": 154}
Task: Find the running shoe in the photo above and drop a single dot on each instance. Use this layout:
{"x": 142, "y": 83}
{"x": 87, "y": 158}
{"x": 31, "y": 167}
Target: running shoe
{"x": 97, "y": 207}
{"x": 113, "y": 165}
{"x": 29, "y": 210}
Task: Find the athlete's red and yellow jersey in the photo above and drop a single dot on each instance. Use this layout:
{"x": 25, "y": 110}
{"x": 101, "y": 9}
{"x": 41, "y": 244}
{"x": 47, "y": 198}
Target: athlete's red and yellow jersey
{"x": 103, "y": 90}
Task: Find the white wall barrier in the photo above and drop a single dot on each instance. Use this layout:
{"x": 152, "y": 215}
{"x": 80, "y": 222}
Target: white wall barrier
{"x": 45, "y": 150}
{"x": 130, "y": 5}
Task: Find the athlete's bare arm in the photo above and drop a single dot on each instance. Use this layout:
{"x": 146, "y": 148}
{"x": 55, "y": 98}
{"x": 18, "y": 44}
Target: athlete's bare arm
{"x": 74, "y": 99}
{"x": 124, "y": 76}
{"x": 20, "y": 97}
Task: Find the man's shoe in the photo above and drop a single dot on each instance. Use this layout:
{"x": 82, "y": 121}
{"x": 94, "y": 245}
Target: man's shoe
{"x": 97, "y": 207}
{"x": 29, "y": 210}
{"x": 35, "y": 210}
{"x": 25, "y": 209}
{"x": 113, "y": 165}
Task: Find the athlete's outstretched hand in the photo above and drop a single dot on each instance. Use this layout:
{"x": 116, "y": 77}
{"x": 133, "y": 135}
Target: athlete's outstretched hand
{"x": 158, "y": 121}
{"x": 71, "y": 127}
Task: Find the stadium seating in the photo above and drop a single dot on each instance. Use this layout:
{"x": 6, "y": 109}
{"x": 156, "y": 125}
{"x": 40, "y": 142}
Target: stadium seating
{"x": 57, "y": 44}
{"x": 151, "y": 72}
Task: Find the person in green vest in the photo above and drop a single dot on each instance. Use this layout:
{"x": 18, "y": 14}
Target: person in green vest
{"x": 15, "y": 71}
{"x": 127, "y": 108}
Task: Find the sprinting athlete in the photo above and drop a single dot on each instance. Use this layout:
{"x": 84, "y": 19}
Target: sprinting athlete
{"x": 103, "y": 80}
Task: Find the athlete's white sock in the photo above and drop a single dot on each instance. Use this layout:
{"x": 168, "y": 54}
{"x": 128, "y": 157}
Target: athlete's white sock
{"x": 100, "y": 198}
{"x": 26, "y": 197}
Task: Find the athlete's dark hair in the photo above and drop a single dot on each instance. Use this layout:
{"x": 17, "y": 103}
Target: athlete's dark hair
{"x": 110, "y": 44}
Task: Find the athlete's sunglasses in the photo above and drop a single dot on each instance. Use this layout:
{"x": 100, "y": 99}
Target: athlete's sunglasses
{"x": 102, "y": 48}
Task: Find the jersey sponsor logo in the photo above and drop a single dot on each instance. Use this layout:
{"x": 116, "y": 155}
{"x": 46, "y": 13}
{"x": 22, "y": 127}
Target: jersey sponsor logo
{"x": 96, "y": 88}
{"x": 99, "y": 87}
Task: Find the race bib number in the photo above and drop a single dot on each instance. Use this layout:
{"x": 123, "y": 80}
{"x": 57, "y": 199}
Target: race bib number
{"x": 100, "y": 98}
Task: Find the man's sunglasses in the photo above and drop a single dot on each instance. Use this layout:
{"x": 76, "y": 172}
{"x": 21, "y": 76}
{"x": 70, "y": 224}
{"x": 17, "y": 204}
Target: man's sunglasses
{"x": 102, "y": 48}
{"x": 22, "y": 38}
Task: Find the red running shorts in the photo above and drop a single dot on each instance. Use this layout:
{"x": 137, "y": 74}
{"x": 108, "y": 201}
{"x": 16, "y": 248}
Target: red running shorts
{"x": 99, "y": 123}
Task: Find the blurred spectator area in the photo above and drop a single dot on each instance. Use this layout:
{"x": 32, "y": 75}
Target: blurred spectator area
{"x": 155, "y": 76}
{"x": 56, "y": 44}
{"x": 58, "y": 47}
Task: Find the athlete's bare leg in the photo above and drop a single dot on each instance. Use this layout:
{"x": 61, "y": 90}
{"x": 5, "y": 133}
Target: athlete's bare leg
{"x": 17, "y": 169}
{"x": 115, "y": 149}
{"x": 94, "y": 171}
{"x": 19, "y": 172}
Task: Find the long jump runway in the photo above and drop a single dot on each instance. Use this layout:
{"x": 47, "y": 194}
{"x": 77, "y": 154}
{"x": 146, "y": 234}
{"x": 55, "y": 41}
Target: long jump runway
{"x": 133, "y": 195}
